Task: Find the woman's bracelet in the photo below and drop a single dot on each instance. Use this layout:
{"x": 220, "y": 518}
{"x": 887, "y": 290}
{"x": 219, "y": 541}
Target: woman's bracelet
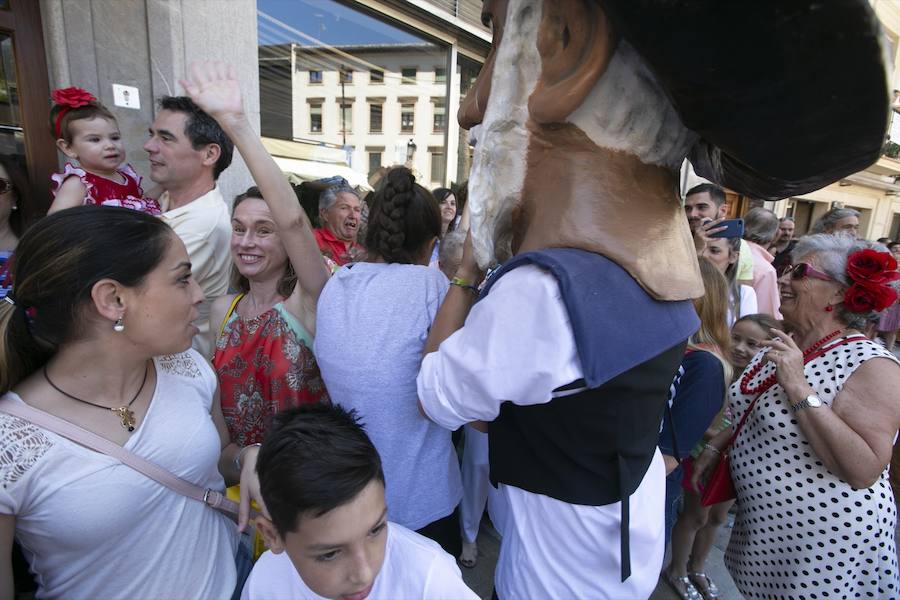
{"x": 240, "y": 456}
{"x": 459, "y": 281}
{"x": 709, "y": 446}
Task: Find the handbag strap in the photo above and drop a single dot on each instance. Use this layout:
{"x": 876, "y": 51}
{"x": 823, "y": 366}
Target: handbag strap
{"x": 91, "y": 440}
{"x": 231, "y": 308}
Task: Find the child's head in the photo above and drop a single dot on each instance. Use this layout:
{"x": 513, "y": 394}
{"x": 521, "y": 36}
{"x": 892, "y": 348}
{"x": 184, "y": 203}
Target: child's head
{"x": 747, "y": 335}
{"x": 85, "y": 130}
{"x": 322, "y": 482}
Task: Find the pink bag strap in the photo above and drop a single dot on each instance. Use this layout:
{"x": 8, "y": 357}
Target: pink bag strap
{"x": 102, "y": 445}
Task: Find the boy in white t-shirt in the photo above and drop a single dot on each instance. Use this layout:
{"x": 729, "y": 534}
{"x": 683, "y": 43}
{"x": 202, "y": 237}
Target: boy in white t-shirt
{"x": 322, "y": 483}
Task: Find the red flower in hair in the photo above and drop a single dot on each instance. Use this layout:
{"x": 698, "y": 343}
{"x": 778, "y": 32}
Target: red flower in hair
{"x": 862, "y": 298}
{"x": 872, "y": 266}
{"x": 72, "y": 97}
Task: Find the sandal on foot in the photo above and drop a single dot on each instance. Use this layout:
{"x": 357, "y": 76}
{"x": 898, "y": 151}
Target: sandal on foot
{"x": 469, "y": 555}
{"x": 682, "y": 586}
{"x": 704, "y": 585}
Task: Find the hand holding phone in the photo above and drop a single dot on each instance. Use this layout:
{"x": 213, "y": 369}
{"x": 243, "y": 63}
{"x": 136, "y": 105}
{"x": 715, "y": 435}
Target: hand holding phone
{"x": 729, "y": 228}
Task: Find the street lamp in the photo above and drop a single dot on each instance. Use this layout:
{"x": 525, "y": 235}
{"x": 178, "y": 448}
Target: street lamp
{"x": 410, "y": 152}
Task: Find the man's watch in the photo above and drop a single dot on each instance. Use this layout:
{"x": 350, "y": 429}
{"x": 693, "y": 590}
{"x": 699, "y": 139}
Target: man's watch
{"x": 811, "y": 401}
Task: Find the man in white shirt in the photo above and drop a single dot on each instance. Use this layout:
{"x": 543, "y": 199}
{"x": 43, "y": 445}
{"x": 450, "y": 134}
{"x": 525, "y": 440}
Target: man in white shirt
{"x": 188, "y": 151}
{"x": 585, "y": 111}
{"x": 323, "y": 486}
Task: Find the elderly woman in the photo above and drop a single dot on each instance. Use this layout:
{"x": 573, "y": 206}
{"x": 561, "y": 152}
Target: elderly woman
{"x": 339, "y": 210}
{"x": 816, "y": 516}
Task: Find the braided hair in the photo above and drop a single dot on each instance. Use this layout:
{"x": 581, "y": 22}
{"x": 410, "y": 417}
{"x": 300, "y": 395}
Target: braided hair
{"x": 404, "y": 216}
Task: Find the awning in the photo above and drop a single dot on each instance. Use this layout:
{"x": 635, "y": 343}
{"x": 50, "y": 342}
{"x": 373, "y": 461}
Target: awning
{"x": 299, "y": 171}
{"x": 308, "y": 162}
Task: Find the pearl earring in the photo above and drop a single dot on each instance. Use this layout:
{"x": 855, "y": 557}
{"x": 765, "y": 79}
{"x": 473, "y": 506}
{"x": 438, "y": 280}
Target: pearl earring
{"x": 119, "y": 326}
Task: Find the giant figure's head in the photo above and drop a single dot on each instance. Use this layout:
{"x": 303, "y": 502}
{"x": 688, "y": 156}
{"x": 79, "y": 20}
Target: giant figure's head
{"x": 586, "y": 109}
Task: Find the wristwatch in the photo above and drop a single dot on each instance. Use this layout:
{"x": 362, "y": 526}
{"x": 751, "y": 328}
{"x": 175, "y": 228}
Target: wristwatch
{"x": 811, "y": 401}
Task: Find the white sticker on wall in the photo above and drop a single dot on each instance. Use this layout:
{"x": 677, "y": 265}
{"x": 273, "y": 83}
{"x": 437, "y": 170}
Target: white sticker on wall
{"x": 126, "y": 96}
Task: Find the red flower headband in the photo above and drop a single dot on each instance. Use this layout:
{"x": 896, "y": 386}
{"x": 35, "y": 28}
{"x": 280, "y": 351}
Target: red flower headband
{"x": 871, "y": 272}
{"x": 69, "y": 98}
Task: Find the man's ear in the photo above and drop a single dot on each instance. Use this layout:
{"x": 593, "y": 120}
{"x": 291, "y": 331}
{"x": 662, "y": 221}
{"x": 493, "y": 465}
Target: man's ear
{"x": 270, "y": 534}
{"x": 576, "y": 42}
{"x": 211, "y": 154}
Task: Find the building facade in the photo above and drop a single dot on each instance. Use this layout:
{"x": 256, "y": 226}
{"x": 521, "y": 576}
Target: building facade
{"x": 365, "y": 83}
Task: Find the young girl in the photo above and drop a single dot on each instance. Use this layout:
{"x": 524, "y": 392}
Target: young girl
{"x": 695, "y": 530}
{"x": 87, "y": 132}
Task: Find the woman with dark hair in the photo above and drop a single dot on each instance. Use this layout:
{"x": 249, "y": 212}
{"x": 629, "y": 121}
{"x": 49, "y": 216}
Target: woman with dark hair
{"x": 14, "y": 187}
{"x": 106, "y": 345}
{"x": 447, "y": 203}
{"x": 373, "y": 319}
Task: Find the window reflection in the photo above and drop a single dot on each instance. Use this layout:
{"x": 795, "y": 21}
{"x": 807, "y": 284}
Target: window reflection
{"x": 344, "y": 86}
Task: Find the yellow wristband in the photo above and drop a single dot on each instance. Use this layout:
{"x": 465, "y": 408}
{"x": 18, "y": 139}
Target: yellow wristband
{"x": 464, "y": 284}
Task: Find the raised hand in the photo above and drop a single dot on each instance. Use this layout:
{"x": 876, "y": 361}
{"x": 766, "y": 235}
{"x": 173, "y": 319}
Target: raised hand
{"x": 214, "y": 88}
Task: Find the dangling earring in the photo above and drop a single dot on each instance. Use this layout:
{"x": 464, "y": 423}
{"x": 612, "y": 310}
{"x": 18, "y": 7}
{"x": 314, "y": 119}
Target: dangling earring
{"x": 15, "y": 207}
{"x": 119, "y": 326}
{"x": 829, "y": 308}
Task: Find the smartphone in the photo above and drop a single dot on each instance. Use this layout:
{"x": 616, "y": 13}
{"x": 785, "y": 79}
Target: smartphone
{"x": 733, "y": 228}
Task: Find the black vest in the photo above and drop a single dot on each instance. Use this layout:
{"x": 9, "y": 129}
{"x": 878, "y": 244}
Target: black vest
{"x": 592, "y": 444}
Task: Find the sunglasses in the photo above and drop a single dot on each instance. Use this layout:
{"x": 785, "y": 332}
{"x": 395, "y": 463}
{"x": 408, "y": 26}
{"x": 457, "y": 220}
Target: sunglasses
{"x": 5, "y": 185}
{"x": 804, "y": 270}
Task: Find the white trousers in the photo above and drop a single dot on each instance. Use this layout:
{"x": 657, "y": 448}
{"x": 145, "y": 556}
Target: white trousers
{"x": 477, "y": 488}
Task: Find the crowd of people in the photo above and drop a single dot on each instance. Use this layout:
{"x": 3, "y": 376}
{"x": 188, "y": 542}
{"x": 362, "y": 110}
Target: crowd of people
{"x": 324, "y": 370}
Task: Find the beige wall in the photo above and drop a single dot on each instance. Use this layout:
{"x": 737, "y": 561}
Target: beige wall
{"x": 148, "y": 44}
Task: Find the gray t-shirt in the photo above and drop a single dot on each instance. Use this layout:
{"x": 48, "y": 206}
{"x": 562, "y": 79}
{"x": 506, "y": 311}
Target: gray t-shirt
{"x": 371, "y": 325}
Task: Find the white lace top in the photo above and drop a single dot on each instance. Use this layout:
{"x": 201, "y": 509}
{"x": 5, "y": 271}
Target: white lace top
{"x": 94, "y": 528}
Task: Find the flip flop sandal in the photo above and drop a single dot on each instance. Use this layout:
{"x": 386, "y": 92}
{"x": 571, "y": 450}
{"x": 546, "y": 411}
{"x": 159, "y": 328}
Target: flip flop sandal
{"x": 683, "y": 587}
{"x": 704, "y": 585}
{"x": 469, "y": 555}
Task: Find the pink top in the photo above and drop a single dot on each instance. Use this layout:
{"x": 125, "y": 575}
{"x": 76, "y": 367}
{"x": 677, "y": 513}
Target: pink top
{"x": 765, "y": 281}
{"x": 106, "y": 192}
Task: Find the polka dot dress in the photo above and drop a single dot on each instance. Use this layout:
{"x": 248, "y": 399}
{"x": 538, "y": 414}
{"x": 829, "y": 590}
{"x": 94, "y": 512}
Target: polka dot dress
{"x": 800, "y": 531}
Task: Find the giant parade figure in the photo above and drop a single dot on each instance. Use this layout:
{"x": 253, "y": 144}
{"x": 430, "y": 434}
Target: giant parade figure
{"x": 582, "y": 115}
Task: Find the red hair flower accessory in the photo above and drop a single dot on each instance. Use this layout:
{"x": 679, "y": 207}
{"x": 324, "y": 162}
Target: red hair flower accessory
{"x": 872, "y": 266}
{"x": 861, "y": 298}
{"x": 871, "y": 271}
{"x": 72, "y": 97}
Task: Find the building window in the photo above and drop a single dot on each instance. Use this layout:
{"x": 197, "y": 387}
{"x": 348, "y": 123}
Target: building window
{"x": 407, "y": 118}
{"x": 408, "y": 75}
{"x": 374, "y": 161}
{"x": 315, "y": 76}
{"x": 438, "y": 164}
{"x": 440, "y": 75}
{"x": 440, "y": 116}
{"x": 376, "y": 76}
{"x": 375, "y": 114}
{"x": 346, "y": 76}
{"x": 346, "y": 117}
{"x": 315, "y": 118}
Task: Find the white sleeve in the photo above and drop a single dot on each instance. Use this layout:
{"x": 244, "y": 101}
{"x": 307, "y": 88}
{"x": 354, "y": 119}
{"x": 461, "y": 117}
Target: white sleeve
{"x": 516, "y": 345}
{"x": 749, "y": 305}
{"x": 445, "y": 582}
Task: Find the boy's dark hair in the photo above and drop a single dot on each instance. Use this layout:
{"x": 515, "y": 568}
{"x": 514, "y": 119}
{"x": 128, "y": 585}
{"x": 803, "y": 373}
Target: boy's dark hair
{"x": 201, "y": 129}
{"x": 315, "y": 458}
